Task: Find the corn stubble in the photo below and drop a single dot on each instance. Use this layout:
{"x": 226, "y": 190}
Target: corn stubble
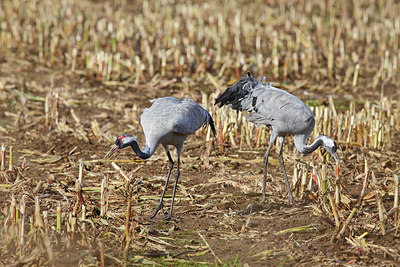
{"x": 201, "y": 50}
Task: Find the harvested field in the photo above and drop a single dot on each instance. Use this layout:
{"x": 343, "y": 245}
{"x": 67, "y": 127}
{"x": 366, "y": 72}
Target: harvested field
{"x": 76, "y": 74}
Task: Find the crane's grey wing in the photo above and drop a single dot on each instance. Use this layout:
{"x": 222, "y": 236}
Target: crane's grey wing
{"x": 275, "y": 103}
{"x": 158, "y": 114}
{"x": 276, "y": 107}
{"x": 189, "y": 116}
{"x": 268, "y": 105}
{"x": 155, "y": 120}
{"x": 169, "y": 115}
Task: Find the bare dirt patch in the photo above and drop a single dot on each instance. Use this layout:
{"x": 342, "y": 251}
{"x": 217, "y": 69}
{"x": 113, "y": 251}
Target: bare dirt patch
{"x": 220, "y": 204}
{"x": 120, "y": 57}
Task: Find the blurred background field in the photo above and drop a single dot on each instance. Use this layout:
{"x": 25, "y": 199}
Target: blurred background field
{"x": 74, "y": 74}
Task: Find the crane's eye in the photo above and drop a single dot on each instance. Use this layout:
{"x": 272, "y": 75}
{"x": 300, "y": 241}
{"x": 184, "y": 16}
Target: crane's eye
{"x": 334, "y": 148}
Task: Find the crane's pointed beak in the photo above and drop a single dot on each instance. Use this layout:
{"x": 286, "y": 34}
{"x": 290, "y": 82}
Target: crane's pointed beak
{"x": 111, "y": 152}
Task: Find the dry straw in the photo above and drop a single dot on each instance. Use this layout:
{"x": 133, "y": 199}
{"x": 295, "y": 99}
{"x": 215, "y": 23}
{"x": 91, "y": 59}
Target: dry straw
{"x": 321, "y": 51}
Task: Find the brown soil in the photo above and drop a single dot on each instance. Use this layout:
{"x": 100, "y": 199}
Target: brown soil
{"x": 219, "y": 204}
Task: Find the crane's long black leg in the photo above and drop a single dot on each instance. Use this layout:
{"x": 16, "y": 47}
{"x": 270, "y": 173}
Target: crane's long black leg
{"x": 177, "y": 173}
{"x": 271, "y": 142}
{"x": 170, "y": 166}
{"x": 281, "y": 141}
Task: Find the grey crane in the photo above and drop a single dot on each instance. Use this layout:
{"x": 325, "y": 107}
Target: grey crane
{"x": 282, "y": 112}
{"x": 169, "y": 121}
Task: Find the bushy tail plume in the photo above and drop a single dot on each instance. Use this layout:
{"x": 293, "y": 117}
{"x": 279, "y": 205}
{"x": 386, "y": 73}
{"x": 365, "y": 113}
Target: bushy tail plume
{"x": 211, "y": 123}
{"x": 234, "y": 94}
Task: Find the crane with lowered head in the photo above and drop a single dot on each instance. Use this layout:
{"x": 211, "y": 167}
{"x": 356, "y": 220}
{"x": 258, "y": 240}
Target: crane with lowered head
{"x": 169, "y": 121}
{"x": 282, "y": 112}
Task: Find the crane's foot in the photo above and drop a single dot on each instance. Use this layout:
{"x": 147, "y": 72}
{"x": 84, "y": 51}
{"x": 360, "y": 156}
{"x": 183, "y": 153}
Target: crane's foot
{"x": 168, "y": 218}
{"x": 158, "y": 208}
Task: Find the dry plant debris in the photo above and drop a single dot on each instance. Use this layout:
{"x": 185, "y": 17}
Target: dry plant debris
{"x": 74, "y": 74}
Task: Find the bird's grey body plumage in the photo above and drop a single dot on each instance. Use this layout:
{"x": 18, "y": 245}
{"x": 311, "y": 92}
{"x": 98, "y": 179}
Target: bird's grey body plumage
{"x": 168, "y": 121}
{"x": 270, "y": 106}
{"x": 282, "y": 112}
